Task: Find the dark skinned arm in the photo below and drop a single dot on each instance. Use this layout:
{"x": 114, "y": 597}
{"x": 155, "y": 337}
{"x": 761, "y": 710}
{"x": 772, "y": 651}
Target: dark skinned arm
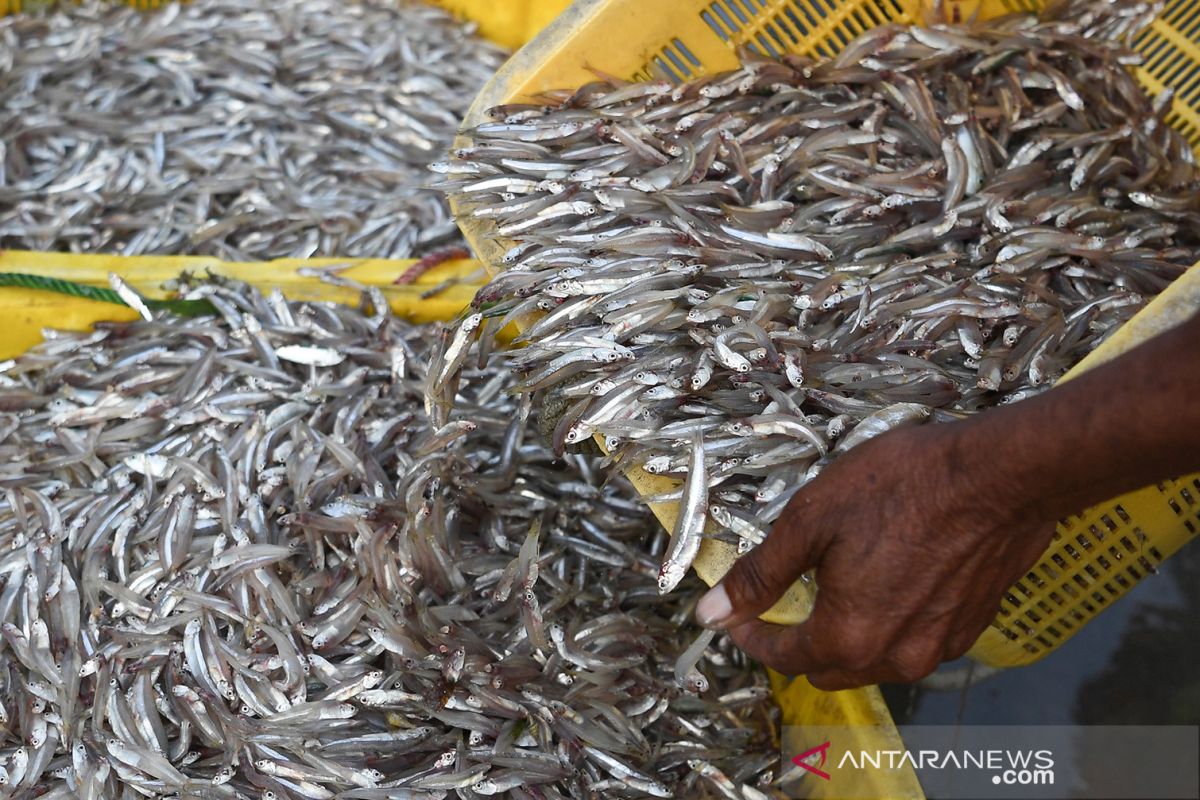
{"x": 916, "y": 534}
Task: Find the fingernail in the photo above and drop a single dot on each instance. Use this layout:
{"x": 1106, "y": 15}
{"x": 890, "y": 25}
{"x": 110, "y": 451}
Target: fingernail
{"x": 714, "y": 608}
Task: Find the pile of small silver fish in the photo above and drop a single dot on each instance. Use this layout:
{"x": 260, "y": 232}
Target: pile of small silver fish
{"x": 238, "y": 561}
{"x": 749, "y": 274}
{"x": 245, "y": 130}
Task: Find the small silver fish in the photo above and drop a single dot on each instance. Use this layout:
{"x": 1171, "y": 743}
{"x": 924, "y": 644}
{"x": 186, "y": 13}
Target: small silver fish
{"x": 323, "y": 168}
{"x": 797, "y": 257}
{"x": 244, "y": 584}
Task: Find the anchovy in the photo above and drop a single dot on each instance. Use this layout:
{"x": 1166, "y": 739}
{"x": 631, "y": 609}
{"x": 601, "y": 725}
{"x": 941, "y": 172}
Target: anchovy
{"x": 297, "y": 130}
{"x": 266, "y": 584}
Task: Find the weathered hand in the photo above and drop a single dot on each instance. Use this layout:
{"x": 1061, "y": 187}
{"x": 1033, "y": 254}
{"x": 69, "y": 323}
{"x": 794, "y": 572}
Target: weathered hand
{"x": 913, "y": 536}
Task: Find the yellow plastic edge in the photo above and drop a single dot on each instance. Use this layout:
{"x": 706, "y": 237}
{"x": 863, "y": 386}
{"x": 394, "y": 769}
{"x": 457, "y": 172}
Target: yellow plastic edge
{"x": 27, "y": 311}
{"x": 863, "y": 723}
{"x": 1175, "y": 305}
{"x": 509, "y": 23}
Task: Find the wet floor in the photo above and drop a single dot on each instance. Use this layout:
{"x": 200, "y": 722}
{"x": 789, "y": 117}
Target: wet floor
{"x": 1135, "y": 664}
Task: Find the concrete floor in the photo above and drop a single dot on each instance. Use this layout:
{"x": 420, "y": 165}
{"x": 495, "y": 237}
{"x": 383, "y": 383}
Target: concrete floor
{"x": 1138, "y": 663}
{"x": 1135, "y": 664}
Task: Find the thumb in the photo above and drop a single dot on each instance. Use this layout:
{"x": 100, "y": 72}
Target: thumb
{"x": 760, "y": 577}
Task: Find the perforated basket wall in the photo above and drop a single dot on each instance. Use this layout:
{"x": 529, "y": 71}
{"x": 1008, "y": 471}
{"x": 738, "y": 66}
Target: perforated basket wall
{"x": 776, "y": 27}
{"x": 1096, "y": 557}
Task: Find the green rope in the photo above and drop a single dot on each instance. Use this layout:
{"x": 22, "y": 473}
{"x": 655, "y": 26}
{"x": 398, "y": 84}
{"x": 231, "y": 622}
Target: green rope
{"x": 23, "y": 280}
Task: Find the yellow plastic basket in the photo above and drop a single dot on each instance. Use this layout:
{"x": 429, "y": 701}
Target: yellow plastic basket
{"x": 1096, "y": 556}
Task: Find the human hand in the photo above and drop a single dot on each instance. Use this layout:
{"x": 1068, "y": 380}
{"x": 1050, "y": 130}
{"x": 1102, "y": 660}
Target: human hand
{"x": 914, "y": 537}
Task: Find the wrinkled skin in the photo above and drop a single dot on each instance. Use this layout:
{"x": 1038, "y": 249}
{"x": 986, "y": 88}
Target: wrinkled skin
{"x": 911, "y": 554}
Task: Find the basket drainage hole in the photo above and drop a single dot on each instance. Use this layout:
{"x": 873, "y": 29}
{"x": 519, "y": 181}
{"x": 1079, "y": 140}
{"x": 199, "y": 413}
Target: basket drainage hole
{"x": 716, "y": 27}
